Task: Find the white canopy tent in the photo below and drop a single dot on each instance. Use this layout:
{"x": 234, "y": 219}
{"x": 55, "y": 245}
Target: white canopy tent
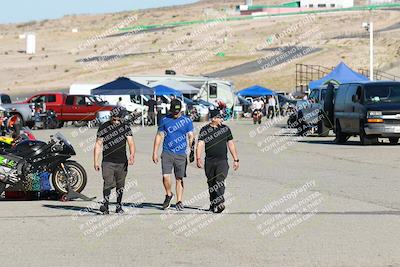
{"x": 177, "y": 85}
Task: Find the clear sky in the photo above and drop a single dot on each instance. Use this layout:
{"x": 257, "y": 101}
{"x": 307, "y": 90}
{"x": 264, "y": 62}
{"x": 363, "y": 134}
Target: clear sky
{"x": 12, "y": 11}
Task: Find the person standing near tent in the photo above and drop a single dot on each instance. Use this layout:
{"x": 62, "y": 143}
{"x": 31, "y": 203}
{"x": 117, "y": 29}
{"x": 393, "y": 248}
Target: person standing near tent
{"x": 159, "y": 109}
{"x": 176, "y": 129}
{"x": 119, "y": 103}
{"x": 216, "y": 138}
{"x": 271, "y": 106}
{"x": 112, "y": 137}
{"x": 151, "y": 104}
{"x": 257, "y": 105}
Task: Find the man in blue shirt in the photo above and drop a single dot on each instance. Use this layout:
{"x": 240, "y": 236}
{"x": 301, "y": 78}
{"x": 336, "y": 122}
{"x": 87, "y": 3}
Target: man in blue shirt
{"x": 175, "y": 129}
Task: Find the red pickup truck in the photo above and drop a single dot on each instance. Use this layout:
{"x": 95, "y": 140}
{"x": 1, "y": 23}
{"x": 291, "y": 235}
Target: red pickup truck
{"x": 71, "y": 107}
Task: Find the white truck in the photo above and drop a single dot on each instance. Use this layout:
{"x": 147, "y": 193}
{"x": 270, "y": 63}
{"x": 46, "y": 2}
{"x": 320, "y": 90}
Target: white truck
{"x": 24, "y": 111}
{"x": 127, "y": 101}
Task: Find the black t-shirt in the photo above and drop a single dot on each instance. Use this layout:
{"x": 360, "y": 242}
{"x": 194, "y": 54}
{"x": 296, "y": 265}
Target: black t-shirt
{"x": 216, "y": 139}
{"x": 151, "y": 104}
{"x": 114, "y": 141}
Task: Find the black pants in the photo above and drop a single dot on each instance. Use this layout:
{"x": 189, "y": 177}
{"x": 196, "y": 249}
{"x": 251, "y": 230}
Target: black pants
{"x": 216, "y": 172}
{"x": 151, "y": 118}
{"x": 159, "y": 117}
{"x": 271, "y": 112}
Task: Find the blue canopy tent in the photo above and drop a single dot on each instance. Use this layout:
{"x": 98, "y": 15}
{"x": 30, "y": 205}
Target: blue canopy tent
{"x": 124, "y": 86}
{"x": 165, "y": 90}
{"x": 340, "y": 74}
{"x": 255, "y": 91}
{"x": 188, "y": 101}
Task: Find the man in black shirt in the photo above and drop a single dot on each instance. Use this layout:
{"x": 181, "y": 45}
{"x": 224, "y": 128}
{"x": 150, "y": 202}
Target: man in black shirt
{"x": 113, "y": 136}
{"x": 152, "y": 113}
{"x": 216, "y": 138}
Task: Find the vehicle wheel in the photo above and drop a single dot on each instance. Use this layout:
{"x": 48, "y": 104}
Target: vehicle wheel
{"x": 60, "y": 124}
{"x": 365, "y": 139}
{"x": 30, "y": 124}
{"x": 341, "y": 137}
{"x": 78, "y": 177}
{"x": 20, "y": 119}
{"x": 53, "y": 124}
{"x": 394, "y": 140}
{"x": 322, "y": 129}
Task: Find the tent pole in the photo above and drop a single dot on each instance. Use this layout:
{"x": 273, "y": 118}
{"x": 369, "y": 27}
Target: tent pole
{"x": 278, "y": 105}
{"x": 141, "y": 101}
{"x": 156, "y": 113}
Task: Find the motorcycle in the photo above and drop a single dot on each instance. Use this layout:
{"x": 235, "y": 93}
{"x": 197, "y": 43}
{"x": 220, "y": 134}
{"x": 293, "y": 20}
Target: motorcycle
{"x": 24, "y": 164}
{"x": 9, "y": 142}
{"x": 257, "y": 116}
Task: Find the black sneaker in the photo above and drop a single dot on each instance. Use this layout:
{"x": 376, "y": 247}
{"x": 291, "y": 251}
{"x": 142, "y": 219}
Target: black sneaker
{"x": 104, "y": 209}
{"x": 220, "y": 208}
{"x": 179, "y": 206}
{"x": 212, "y": 208}
{"x": 119, "y": 209}
{"x": 167, "y": 201}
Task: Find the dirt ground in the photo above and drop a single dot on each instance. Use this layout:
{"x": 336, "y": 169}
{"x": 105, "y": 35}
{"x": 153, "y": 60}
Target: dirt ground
{"x": 99, "y": 53}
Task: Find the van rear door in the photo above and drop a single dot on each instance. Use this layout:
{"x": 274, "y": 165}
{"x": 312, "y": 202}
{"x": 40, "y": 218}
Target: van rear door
{"x": 349, "y": 109}
{"x": 358, "y": 109}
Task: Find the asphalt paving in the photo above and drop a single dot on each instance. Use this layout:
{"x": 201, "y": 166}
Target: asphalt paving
{"x": 293, "y": 202}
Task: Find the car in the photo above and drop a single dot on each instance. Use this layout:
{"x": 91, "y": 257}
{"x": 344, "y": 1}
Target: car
{"x": 370, "y": 110}
{"x": 71, "y": 107}
{"x": 24, "y": 111}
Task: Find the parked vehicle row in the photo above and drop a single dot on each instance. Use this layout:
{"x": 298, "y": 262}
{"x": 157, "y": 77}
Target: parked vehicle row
{"x": 367, "y": 109}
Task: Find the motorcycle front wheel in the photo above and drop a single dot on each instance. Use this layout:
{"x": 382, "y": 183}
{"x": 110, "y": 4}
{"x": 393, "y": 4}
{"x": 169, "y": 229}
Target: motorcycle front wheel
{"x": 76, "y": 174}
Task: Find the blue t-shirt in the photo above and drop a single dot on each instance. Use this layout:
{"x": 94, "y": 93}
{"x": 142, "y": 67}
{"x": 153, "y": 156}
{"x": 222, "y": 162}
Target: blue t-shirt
{"x": 175, "y": 131}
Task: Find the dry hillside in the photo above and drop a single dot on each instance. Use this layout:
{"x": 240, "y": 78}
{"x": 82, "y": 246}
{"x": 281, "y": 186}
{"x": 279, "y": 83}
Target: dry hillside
{"x": 99, "y": 52}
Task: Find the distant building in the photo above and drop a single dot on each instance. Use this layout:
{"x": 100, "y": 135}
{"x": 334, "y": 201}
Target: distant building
{"x": 327, "y": 3}
{"x": 372, "y": 2}
{"x": 296, "y": 6}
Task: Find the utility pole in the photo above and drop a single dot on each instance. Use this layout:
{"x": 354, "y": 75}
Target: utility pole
{"x": 369, "y": 26}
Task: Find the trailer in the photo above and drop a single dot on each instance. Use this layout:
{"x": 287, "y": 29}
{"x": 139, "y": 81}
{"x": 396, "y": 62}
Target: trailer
{"x": 209, "y": 89}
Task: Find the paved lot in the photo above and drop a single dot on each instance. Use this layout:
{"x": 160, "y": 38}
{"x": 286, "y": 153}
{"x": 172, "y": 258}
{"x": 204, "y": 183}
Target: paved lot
{"x": 313, "y": 203}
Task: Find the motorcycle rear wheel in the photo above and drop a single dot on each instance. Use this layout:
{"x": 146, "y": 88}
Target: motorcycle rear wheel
{"x": 77, "y": 176}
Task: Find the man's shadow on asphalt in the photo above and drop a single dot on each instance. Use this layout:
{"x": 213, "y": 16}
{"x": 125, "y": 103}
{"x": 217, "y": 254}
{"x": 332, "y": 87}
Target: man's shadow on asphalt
{"x": 251, "y": 213}
{"x": 92, "y": 210}
{"x": 347, "y": 143}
